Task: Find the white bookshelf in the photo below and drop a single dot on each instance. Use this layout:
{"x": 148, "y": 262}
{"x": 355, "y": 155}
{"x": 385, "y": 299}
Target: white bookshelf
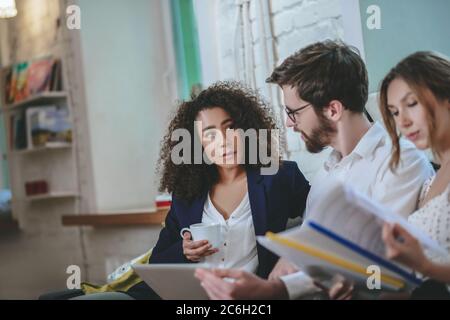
{"x": 42, "y": 98}
{"x": 54, "y": 162}
{"x": 46, "y": 148}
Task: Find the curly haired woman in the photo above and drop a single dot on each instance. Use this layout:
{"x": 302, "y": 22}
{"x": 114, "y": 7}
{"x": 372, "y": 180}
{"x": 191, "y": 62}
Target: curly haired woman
{"x": 226, "y": 189}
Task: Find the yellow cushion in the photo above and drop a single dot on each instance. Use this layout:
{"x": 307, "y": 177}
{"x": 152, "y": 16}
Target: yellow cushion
{"x": 122, "y": 283}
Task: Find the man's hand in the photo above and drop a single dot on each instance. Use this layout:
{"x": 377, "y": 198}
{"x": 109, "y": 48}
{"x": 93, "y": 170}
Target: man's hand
{"x": 232, "y": 284}
{"x": 195, "y": 250}
{"x": 282, "y": 268}
{"x": 342, "y": 289}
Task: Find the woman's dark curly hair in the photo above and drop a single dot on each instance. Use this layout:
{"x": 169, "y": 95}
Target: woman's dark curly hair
{"x": 245, "y": 107}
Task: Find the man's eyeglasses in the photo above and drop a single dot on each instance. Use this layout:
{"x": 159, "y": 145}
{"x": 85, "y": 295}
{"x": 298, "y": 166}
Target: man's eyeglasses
{"x": 291, "y": 113}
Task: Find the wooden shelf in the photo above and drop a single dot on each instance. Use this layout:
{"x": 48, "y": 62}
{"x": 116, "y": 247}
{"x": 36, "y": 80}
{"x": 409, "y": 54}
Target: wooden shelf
{"x": 123, "y": 219}
{"x": 42, "y": 98}
{"x": 52, "y": 195}
{"x": 50, "y": 147}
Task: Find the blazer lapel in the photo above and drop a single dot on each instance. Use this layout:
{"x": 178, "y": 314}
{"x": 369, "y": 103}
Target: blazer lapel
{"x": 196, "y": 209}
{"x": 257, "y": 196}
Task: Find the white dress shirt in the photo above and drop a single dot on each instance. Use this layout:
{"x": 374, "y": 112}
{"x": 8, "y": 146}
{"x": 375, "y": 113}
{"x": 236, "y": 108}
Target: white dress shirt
{"x": 366, "y": 169}
{"x": 238, "y": 249}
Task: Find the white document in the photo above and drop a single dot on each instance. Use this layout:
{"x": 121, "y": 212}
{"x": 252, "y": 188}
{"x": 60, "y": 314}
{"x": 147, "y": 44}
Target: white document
{"x": 357, "y": 218}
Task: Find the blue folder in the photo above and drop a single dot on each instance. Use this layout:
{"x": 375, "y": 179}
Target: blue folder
{"x": 365, "y": 253}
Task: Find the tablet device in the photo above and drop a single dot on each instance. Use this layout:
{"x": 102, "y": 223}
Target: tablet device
{"x": 172, "y": 281}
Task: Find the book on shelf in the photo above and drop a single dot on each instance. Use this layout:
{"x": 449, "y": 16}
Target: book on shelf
{"x": 7, "y": 81}
{"x": 27, "y": 79}
{"x": 18, "y": 131}
{"x": 342, "y": 236}
{"x": 17, "y": 86}
{"x": 163, "y": 201}
{"x": 48, "y": 126}
{"x": 33, "y": 188}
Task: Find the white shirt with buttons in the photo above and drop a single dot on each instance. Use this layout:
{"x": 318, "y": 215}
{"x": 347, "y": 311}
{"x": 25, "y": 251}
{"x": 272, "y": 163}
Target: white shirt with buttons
{"x": 238, "y": 249}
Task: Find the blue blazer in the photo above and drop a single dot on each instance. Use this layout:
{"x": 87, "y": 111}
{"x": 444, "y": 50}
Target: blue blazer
{"x": 273, "y": 199}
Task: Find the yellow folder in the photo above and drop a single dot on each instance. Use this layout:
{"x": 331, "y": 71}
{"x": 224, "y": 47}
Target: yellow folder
{"x": 332, "y": 259}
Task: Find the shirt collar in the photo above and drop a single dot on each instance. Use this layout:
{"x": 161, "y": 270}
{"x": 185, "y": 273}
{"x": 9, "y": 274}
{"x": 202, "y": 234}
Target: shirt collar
{"x": 365, "y": 147}
{"x": 370, "y": 141}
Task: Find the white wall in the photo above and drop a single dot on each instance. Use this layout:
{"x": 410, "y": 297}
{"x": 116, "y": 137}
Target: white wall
{"x": 206, "y": 13}
{"x": 124, "y": 60}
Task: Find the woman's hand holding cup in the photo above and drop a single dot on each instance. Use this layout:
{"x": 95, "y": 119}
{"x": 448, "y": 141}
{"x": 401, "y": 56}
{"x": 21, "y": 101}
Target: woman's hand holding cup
{"x": 196, "y": 250}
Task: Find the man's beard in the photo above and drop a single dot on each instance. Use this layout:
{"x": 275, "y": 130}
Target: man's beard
{"x": 320, "y": 137}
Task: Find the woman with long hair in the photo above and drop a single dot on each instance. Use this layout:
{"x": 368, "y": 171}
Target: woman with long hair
{"x": 415, "y": 103}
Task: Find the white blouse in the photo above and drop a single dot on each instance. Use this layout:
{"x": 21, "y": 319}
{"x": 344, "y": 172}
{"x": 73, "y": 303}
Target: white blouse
{"x": 434, "y": 219}
{"x": 238, "y": 249}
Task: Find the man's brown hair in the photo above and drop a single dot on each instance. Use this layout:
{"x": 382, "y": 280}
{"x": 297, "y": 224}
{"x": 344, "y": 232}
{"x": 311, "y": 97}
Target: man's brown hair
{"x": 326, "y": 71}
